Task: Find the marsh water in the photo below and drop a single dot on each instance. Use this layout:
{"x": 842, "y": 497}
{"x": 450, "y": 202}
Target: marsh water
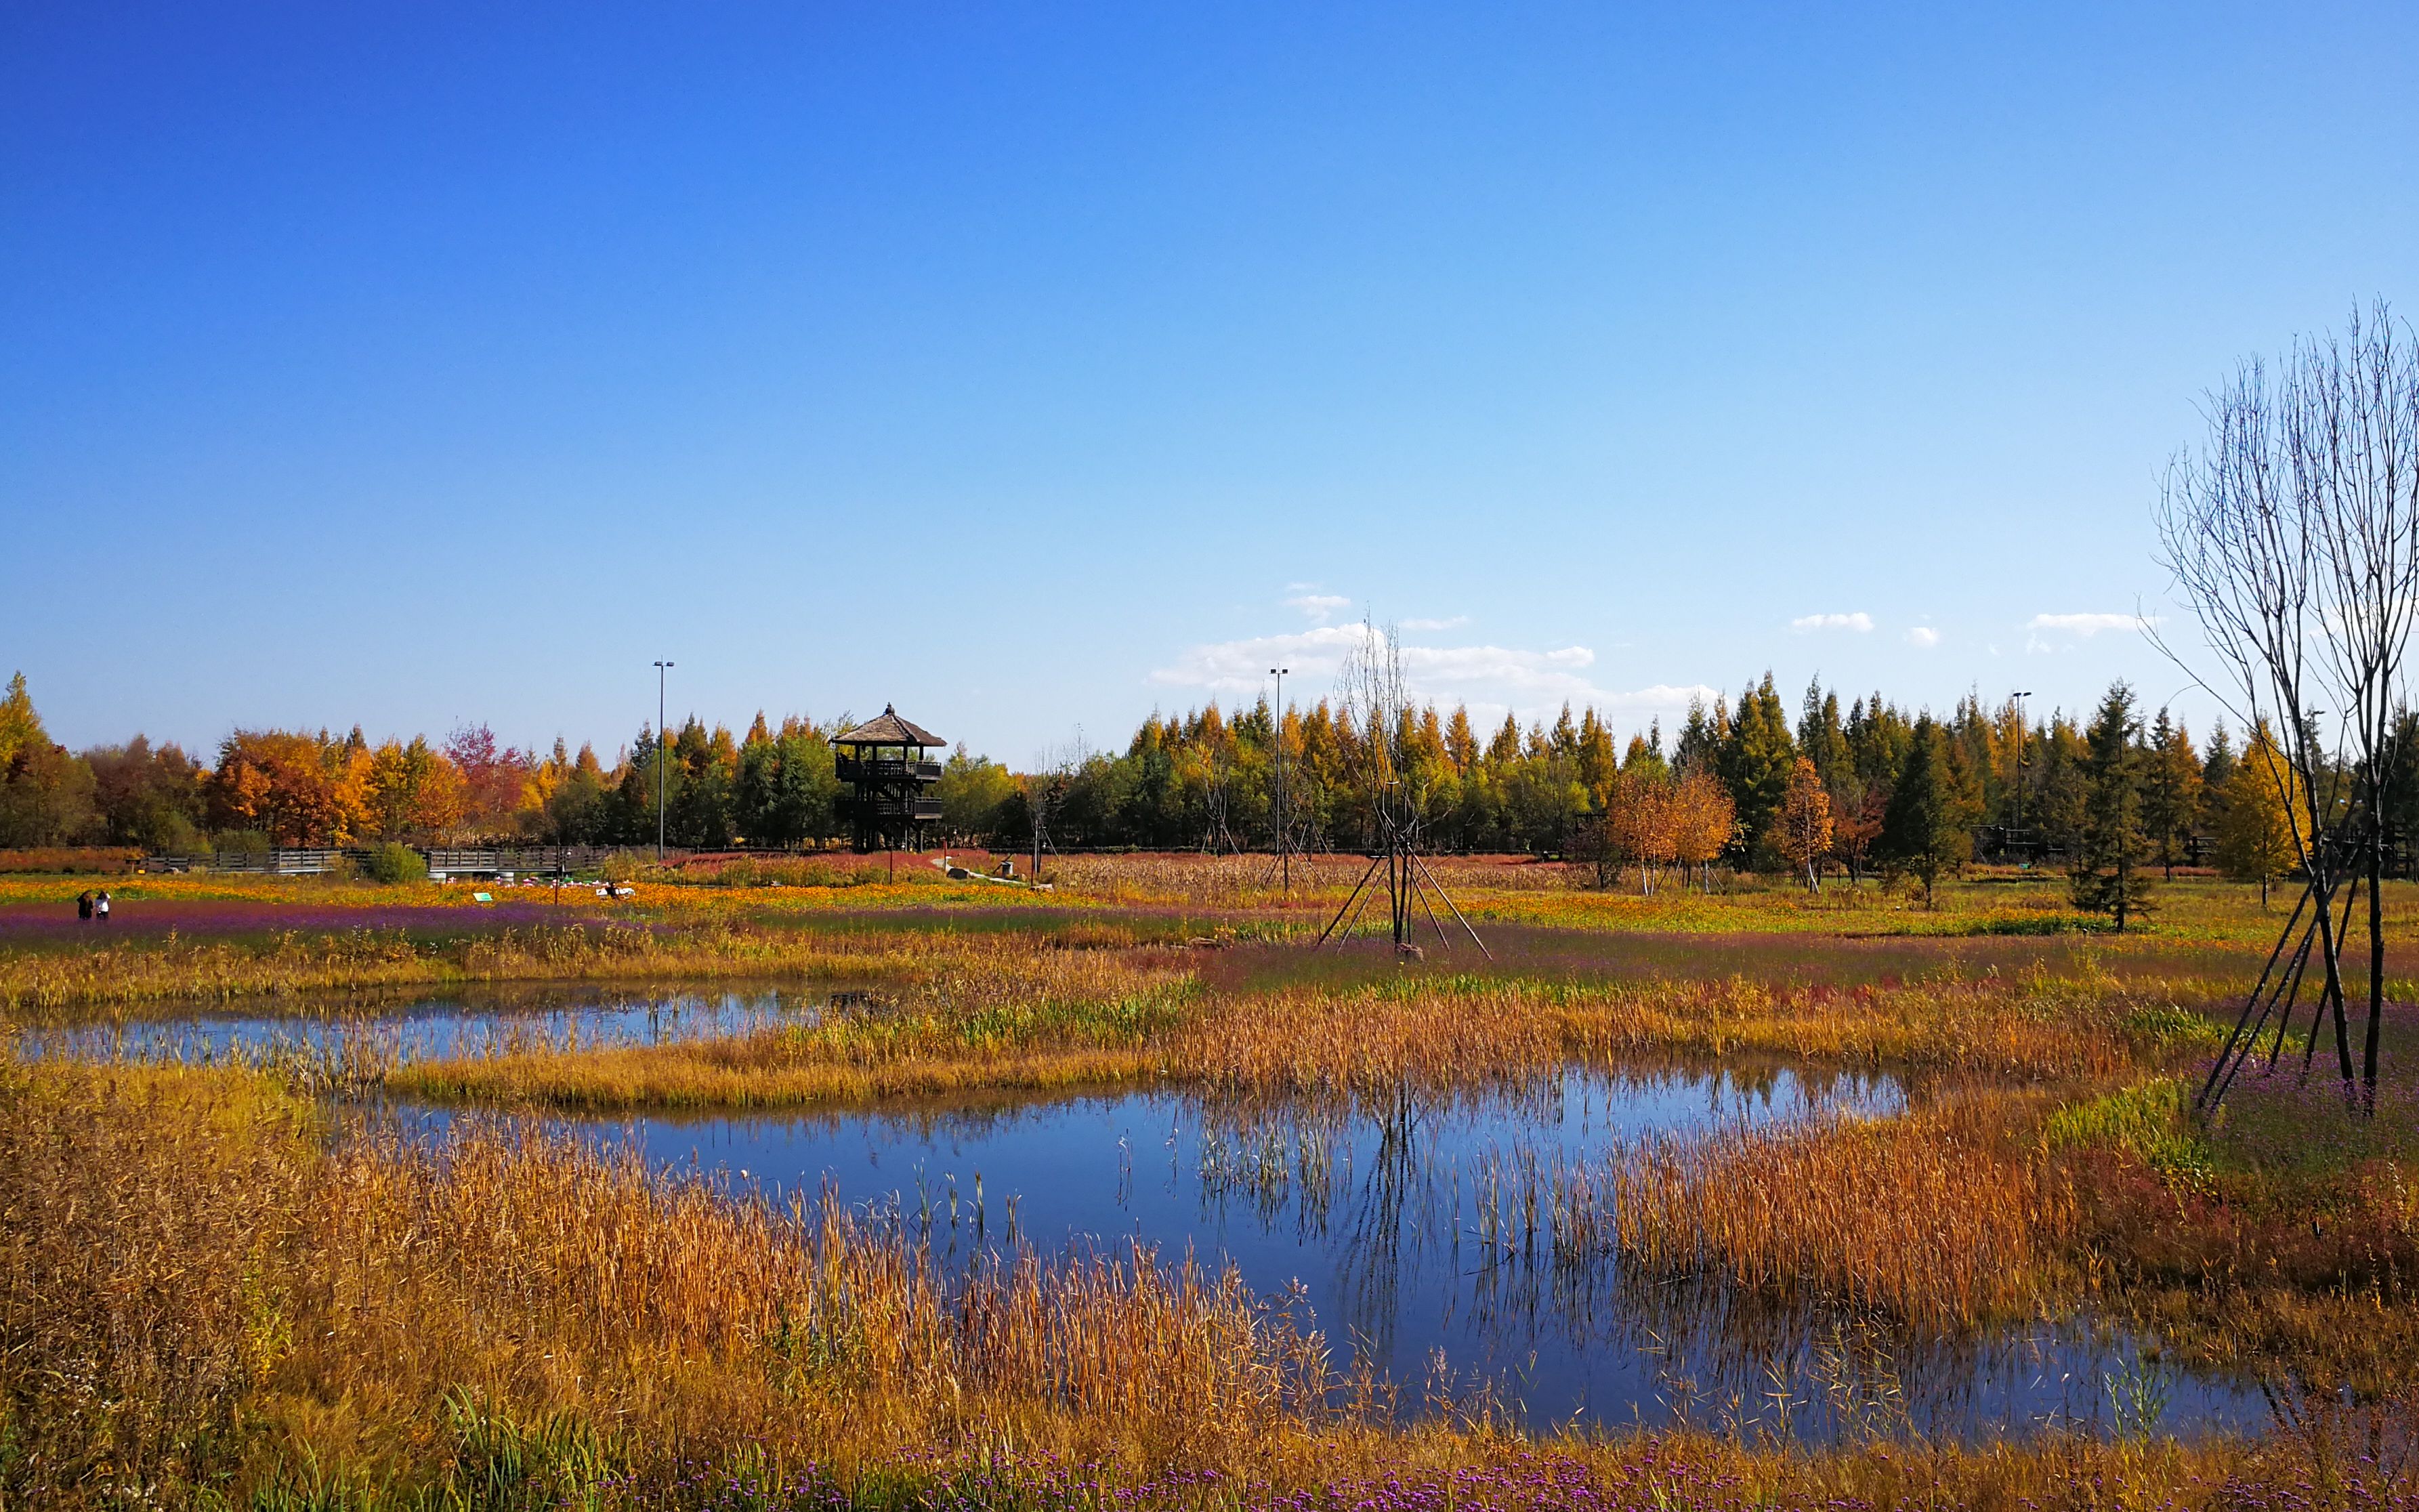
{"x": 1417, "y": 1235}
{"x": 434, "y": 1027}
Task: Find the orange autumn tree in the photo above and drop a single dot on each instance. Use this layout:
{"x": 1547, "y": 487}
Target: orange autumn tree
{"x": 1854, "y": 829}
{"x": 1705, "y": 820}
{"x": 1802, "y": 829}
{"x": 410, "y": 790}
{"x": 1639, "y": 822}
{"x": 293, "y": 788}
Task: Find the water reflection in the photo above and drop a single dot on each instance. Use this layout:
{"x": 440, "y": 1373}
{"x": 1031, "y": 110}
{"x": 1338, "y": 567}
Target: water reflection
{"x": 1454, "y": 1247}
{"x": 386, "y": 1030}
{"x": 1441, "y": 1245}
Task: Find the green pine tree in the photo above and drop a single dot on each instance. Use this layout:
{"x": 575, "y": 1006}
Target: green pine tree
{"x": 1755, "y": 763}
{"x": 1924, "y": 830}
{"x": 2107, "y": 876}
{"x": 2170, "y": 791}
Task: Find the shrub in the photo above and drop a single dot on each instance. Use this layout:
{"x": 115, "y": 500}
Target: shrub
{"x": 71, "y": 859}
{"x": 394, "y": 862}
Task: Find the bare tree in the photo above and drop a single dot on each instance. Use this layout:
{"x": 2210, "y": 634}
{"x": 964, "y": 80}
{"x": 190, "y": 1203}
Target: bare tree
{"x": 2353, "y": 428}
{"x": 2294, "y": 535}
{"x": 1376, "y": 701}
{"x": 1045, "y": 789}
{"x": 1217, "y": 836}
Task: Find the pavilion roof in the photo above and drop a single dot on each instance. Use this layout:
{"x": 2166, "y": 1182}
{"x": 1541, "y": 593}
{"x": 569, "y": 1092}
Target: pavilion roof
{"x": 887, "y": 729}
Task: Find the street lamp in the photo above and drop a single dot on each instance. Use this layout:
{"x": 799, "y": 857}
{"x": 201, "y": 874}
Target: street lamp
{"x": 661, "y": 668}
{"x": 1285, "y": 864}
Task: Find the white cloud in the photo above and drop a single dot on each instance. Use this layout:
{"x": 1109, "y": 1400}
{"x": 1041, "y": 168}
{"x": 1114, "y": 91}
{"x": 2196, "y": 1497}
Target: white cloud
{"x": 1923, "y": 637}
{"x": 1491, "y": 680}
{"x": 1860, "y": 622}
{"x": 2090, "y": 625}
{"x": 1321, "y": 607}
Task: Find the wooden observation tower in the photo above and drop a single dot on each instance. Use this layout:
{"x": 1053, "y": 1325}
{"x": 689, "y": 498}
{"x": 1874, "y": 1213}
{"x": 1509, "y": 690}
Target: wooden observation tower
{"x": 883, "y": 760}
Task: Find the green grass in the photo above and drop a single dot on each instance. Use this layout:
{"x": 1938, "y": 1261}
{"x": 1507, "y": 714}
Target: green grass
{"x": 2146, "y": 1120}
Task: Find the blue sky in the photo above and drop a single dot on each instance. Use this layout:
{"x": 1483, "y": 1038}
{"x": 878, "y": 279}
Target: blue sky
{"x": 1034, "y": 366}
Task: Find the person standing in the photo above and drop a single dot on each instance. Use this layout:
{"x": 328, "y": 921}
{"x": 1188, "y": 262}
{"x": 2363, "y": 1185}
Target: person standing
{"x": 101, "y": 906}
{"x": 83, "y": 905}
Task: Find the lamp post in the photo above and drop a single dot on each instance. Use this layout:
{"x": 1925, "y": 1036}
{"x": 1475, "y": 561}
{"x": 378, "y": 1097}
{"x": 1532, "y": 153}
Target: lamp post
{"x": 1284, "y": 863}
{"x": 2021, "y": 728}
{"x": 660, "y": 667}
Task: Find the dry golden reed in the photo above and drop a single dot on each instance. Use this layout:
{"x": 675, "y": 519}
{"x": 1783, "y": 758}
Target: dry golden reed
{"x": 293, "y": 963}
{"x": 185, "y": 1256}
{"x": 1937, "y": 1217}
{"x": 199, "y": 1295}
{"x": 1009, "y": 1016}
{"x": 1049, "y": 1019}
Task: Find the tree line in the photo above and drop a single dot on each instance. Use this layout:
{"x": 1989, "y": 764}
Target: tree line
{"x": 1834, "y": 791}
{"x": 773, "y": 786}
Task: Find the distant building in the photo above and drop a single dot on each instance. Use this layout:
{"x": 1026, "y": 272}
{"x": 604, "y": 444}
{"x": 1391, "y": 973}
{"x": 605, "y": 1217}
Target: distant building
{"x": 883, "y": 760}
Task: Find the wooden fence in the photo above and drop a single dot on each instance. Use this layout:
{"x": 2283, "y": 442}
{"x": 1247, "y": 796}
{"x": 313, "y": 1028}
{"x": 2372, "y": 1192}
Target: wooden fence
{"x": 456, "y": 860}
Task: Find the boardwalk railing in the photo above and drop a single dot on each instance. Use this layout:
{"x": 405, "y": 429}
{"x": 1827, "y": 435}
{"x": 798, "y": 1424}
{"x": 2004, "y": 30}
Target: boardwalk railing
{"x": 276, "y": 863}
{"x": 518, "y": 861}
{"x": 473, "y": 860}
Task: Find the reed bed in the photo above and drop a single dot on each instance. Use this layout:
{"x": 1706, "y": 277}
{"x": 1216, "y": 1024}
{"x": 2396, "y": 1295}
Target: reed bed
{"x": 597, "y": 1284}
{"x": 204, "y": 1304}
{"x": 1433, "y": 1035}
{"x": 146, "y": 1219}
{"x": 2026, "y": 1027}
{"x": 763, "y": 1071}
{"x": 1938, "y": 1218}
{"x": 1199, "y": 881}
{"x": 1048, "y": 1018}
{"x": 291, "y": 963}
{"x": 252, "y": 1286}
{"x": 1372, "y": 1043}
{"x": 1035, "y": 1019}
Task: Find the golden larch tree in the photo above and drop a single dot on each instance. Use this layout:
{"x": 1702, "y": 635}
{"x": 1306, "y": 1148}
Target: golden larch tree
{"x": 1705, "y": 820}
{"x": 1802, "y": 828}
{"x": 2255, "y": 838}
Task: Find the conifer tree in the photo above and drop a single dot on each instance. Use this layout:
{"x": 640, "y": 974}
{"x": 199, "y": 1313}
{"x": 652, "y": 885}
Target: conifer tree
{"x": 2398, "y": 795}
{"x": 1821, "y": 739}
{"x": 2254, "y": 838}
{"x": 1701, "y": 737}
{"x": 1878, "y": 736}
{"x": 2056, "y": 800}
{"x": 2216, "y": 771}
{"x": 1598, "y": 759}
{"x": 1645, "y": 756}
{"x": 1505, "y": 747}
{"x": 1925, "y": 829}
{"x": 45, "y": 793}
{"x": 2170, "y": 791}
{"x": 2107, "y": 876}
{"x": 19, "y": 725}
{"x": 1755, "y": 762}
{"x": 1461, "y": 741}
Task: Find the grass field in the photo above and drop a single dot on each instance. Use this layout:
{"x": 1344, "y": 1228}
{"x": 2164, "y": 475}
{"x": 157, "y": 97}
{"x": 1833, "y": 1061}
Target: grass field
{"x": 221, "y": 1287}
